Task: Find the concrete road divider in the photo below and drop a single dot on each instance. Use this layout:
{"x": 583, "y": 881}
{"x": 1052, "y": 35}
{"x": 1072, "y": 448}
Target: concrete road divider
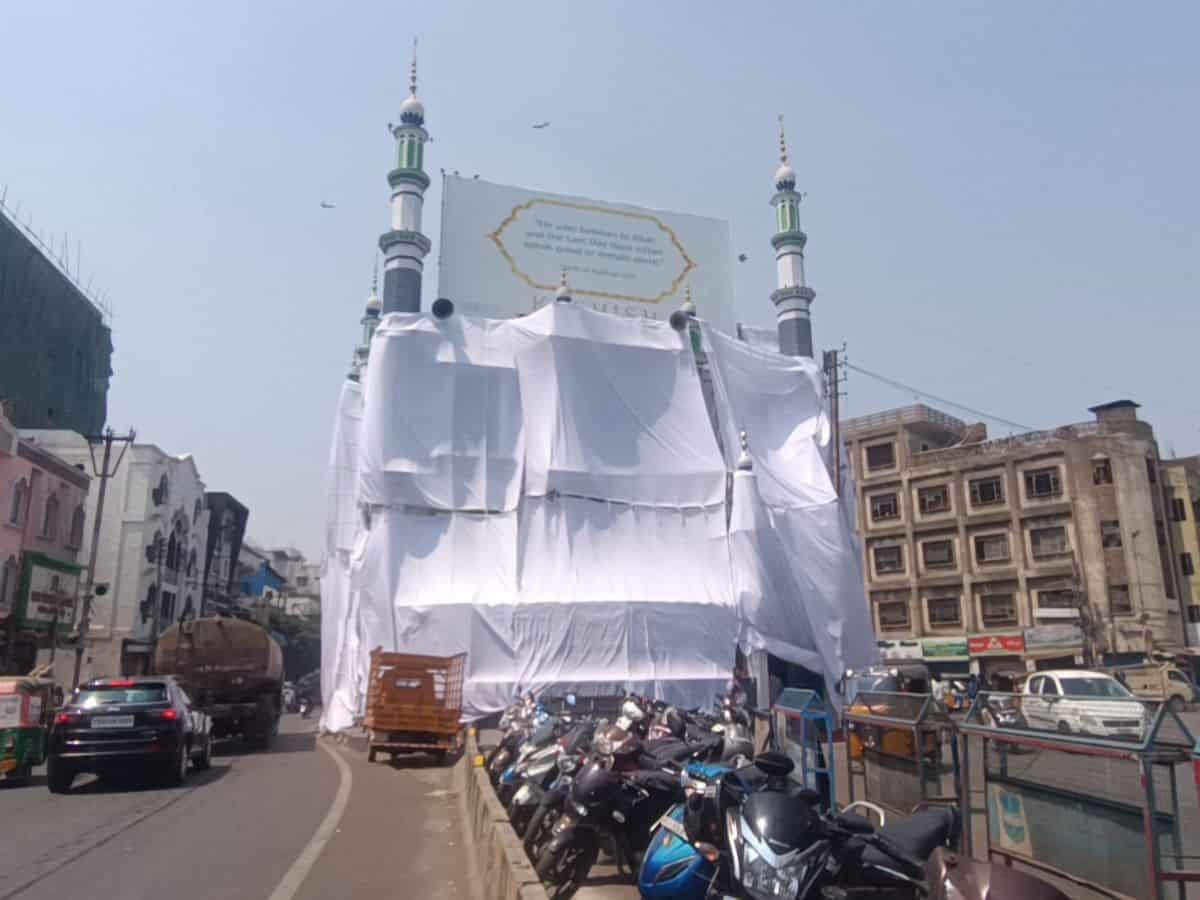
{"x": 504, "y": 870}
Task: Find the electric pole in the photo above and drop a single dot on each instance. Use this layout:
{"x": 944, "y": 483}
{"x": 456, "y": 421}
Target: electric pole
{"x": 832, "y": 364}
{"x": 104, "y": 473}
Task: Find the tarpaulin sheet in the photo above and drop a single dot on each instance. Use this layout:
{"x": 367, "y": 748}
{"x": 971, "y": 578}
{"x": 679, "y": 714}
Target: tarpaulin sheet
{"x": 547, "y": 494}
{"x": 442, "y": 424}
{"x": 613, "y": 409}
{"x": 340, "y": 685}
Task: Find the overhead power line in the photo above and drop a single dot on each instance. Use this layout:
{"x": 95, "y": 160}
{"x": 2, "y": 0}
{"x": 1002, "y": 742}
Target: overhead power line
{"x": 942, "y": 400}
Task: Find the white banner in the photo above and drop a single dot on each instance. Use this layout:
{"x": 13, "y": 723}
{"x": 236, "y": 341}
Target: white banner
{"x": 503, "y": 251}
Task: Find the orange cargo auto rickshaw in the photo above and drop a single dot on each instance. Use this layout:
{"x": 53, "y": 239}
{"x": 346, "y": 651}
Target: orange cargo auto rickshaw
{"x": 872, "y": 692}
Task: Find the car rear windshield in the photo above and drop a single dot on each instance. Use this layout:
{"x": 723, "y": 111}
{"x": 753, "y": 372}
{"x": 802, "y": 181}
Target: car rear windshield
{"x": 90, "y": 698}
{"x": 1093, "y": 687}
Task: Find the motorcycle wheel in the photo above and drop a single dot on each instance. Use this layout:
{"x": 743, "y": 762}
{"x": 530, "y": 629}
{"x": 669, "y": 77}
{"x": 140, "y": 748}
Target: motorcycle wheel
{"x": 537, "y": 832}
{"x": 562, "y": 869}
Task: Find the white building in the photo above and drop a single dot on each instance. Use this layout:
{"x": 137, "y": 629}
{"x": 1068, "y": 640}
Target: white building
{"x": 152, "y": 544}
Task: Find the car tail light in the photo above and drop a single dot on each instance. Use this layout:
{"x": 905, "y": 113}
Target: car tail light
{"x": 169, "y": 714}
{"x": 62, "y": 719}
{"x": 120, "y": 684}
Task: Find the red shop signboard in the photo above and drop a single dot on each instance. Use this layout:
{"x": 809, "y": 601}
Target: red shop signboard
{"x": 996, "y": 643}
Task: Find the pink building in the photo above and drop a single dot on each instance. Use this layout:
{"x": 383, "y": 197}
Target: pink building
{"x": 41, "y": 548}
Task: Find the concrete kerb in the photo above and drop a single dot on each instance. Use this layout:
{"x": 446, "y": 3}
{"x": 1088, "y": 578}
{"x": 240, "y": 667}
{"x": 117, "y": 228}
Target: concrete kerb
{"x": 504, "y": 870}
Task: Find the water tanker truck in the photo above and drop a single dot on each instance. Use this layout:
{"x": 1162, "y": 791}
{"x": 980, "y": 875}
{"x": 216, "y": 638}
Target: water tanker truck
{"x": 232, "y": 669}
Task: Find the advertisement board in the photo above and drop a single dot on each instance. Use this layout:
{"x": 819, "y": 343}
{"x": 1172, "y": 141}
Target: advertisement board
{"x": 996, "y": 644}
{"x": 504, "y": 249}
{"x": 51, "y": 594}
{"x": 945, "y": 649}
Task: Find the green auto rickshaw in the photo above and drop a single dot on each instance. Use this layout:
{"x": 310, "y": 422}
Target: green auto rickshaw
{"x": 26, "y": 711}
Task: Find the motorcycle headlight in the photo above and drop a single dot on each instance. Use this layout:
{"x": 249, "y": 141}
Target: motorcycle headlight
{"x": 765, "y": 882}
{"x": 581, "y": 809}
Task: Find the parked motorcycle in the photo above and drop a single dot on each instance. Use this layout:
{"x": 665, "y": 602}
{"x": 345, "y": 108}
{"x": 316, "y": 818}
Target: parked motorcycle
{"x": 777, "y": 842}
{"x": 534, "y": 776}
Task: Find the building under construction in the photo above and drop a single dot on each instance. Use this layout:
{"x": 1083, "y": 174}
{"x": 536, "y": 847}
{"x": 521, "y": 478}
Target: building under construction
{"x": 55, "y": 344}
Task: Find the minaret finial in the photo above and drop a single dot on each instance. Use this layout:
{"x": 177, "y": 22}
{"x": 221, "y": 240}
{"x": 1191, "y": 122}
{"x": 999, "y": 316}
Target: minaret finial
{"x": 412, "y": 75}
{"x": 688, "y": 306}
{"x": 782, "y": 140}
{"x": 744, "y": 463}
{"x": 563, "y": 294}
{"x": 375, "y": 276}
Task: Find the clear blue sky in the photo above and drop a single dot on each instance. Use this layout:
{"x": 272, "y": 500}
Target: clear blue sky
{"x": 1002, "y": 197}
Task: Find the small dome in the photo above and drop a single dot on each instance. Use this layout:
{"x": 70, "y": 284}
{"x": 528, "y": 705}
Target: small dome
{"x": 412, "y": 111}
{"x": 563, "y": 294}
{"x": 785, "y": 177}
{"x": 374, "y": 305}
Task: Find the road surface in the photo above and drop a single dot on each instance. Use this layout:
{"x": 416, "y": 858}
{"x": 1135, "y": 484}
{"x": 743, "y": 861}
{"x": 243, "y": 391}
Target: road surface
{"x": 292, "y": 823}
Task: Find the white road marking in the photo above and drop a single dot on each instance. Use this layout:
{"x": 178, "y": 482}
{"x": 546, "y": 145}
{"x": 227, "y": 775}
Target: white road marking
{"x": 294, "y": 877}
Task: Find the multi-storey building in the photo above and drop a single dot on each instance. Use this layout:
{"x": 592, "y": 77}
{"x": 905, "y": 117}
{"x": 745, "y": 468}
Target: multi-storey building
{"x": 153, "y": 542}
{"x": 55, "y": 342}
{"x": 42, "y": 533}
{"x": 226, "y": 530}
{"x": 1182, "y": 478}
{"x": 1039, "y": 549}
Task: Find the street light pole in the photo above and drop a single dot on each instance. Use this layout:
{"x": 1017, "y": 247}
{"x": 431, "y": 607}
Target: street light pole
{"x": 104, "y": 474}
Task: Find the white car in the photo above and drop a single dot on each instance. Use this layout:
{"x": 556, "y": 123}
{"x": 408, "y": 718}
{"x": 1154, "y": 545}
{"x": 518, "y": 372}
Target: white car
{"x": 1073, "y": 701}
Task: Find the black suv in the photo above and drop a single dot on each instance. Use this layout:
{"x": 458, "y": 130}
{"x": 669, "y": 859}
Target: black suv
{"x": 128, "y": 725}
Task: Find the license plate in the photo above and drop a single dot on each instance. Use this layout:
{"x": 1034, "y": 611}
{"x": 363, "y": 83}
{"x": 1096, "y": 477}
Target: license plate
{"x": 523, "y": 795}
{"x": 112, "y": 722}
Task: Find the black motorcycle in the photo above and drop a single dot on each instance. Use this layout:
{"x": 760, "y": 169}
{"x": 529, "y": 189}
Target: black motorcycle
{"x": 537, "y": 773}
{"x": 615, "y": 800}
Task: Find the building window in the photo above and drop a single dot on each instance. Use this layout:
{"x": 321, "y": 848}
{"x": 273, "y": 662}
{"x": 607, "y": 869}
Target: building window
{"x": 1185, "y": 564}
{"x": 18, "y": 502}
{"x": 302, "y": 581}
{"x": 1045, "y": 542}
{"x": 938, "y": 554}
{"x": 987, "y": 491}
{"x": 1178, "y": 509}
{"x": 1110, "y": 533}
{"x": 881, "y": 456}
{"x": 934, "y": 499}
{"x": 1118, "y": 600}
{"x": 77, "y": 527}
{"x": 50, "y": 518}
{"x": 1101, "y": 471}
{"x": 196, "y": 512}
{"x": 944, "y": 612}
{"x": 885, "y": 507}
{"x": 167, "y": 609}
{"x": 991, "y": 548}
{"x": 1151, "y": 470}
{"x": 1057, "y": 604}
{"x": 1193, "y": 615}
{"x": 889, "y": 560}
{"x": 161, "y": 493}
{"x": 892, "y": 609}
{"x": 1042, "y": 483}
{"x": 998, "y": 610}
{"x": 191, "y": 563}
{"x": 8, "y": 583}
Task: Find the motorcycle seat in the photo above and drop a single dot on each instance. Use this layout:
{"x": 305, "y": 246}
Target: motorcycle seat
{"x": 920, "y": 834}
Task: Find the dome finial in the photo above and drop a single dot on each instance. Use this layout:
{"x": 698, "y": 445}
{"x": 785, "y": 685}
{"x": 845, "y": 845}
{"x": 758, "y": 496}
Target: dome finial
{"x": 374, "y": 305}
{"x": 744, "y": 462}
{"x": 689, "y": 307}
{"x": 785, "y": 176}
{"x": 563, "y": 294}
{"x": 412, "y": 72}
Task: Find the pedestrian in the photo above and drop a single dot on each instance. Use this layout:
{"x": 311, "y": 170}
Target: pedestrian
{"x": 972, "y": 686}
